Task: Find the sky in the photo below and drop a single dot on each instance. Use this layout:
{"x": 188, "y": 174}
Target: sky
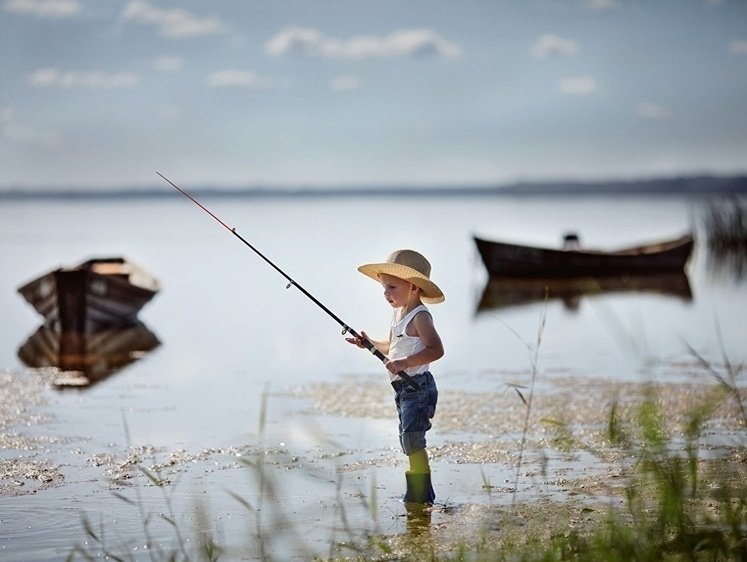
{"x": 102, "y": 94}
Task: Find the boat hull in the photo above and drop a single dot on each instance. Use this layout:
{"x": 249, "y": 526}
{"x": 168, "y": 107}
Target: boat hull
{"x": 93, "y": 296}
{"x": 512, "y": 260}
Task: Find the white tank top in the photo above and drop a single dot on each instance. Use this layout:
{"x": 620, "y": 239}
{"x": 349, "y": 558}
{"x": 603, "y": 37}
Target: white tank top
{"x": 401, "y": 345}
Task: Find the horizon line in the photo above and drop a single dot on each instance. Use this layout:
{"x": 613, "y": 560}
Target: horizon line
{"x": 705, "y": 183}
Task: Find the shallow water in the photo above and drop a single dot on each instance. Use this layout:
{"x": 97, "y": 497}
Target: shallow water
{"x": 230, "y": 332}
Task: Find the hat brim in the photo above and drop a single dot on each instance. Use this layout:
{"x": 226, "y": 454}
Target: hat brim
{"x": 431, "y": 293}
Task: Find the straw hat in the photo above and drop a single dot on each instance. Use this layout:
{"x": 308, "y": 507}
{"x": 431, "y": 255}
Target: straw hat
{"x": 410, "y": 266}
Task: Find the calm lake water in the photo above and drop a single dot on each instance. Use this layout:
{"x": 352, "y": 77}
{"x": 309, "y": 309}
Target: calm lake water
{"x": 229, "y": 330}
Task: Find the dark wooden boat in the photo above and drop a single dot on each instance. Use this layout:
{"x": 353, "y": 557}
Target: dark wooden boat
{"x": 512, "y": 260}
{"x": 83, "y": 359}
{"x": 94, "y": 295}
{"x": 508, "y": 292}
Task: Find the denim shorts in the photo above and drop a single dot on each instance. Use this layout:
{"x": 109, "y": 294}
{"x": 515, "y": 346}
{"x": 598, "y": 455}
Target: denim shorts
{"x": 415, "y": 409}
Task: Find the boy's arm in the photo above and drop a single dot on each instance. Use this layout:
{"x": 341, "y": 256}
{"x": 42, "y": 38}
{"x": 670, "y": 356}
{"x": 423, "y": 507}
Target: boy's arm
{"x": 382, "y": 348}
{"x": 381, "y": 345}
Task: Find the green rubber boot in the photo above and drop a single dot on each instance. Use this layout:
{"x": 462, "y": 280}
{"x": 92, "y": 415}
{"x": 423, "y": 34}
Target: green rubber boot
{"x": 419, "y": 489}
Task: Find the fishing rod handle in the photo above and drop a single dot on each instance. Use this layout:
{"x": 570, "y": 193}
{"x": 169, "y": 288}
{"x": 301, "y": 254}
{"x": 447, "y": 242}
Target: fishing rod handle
{"x": 383, "y": 358}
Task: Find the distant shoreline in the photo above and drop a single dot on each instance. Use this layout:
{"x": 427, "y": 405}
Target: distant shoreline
{"x": 692, "y": 185}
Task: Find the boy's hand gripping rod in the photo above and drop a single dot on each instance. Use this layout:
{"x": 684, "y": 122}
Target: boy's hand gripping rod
{"x": 345, "y": 328}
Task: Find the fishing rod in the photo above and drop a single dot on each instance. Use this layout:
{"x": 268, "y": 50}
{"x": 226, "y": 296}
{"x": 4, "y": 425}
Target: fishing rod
{"x": 345, "y": 328}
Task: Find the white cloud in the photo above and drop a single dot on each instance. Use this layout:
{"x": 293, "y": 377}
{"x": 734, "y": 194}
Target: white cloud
{"x": 168, "y": 64}
{"x": 601, "y": 4}
{"x": 237, "y": 78}
{"x": 651, "y": 110}
{"x": 170, "y": 112}
{"x": 548, "y": 45}
{"x": 310, "y": 43}
{"x": 17, "y": 132}
{"x": 93, "y": 79}
{"x": 44, "y": 8}
{"x": 738, "y": 47}
{"x": 174, "y": 24}
{"x": 344, "y": 83}
{"x": 580, "y": 85}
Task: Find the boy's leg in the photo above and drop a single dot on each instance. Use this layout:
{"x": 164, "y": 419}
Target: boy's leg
{"x": 415, "y": 410}
{"x": 419, "y": 462}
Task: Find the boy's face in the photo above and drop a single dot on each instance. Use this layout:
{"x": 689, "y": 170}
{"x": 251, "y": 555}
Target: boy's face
{"x": 397, "y": 292}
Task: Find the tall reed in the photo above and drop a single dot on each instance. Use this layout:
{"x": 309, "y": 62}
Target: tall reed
{"x": 725, "y": 226}
{"x": 678, "y": 505}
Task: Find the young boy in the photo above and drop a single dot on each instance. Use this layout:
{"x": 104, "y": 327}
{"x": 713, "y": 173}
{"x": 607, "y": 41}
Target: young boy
{"x": 412, "y": 345}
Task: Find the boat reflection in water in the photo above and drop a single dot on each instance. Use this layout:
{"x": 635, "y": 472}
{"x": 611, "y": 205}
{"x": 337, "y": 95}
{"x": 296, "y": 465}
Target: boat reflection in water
{"x": 505, "y": 292}
{"x": 81, "y": 359}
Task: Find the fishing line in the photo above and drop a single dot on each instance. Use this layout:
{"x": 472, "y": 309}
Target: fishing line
{"x": 345, "y": 328}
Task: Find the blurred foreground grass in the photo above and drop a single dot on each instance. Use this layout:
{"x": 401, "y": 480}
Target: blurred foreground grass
{"x": 671, "y": 496}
